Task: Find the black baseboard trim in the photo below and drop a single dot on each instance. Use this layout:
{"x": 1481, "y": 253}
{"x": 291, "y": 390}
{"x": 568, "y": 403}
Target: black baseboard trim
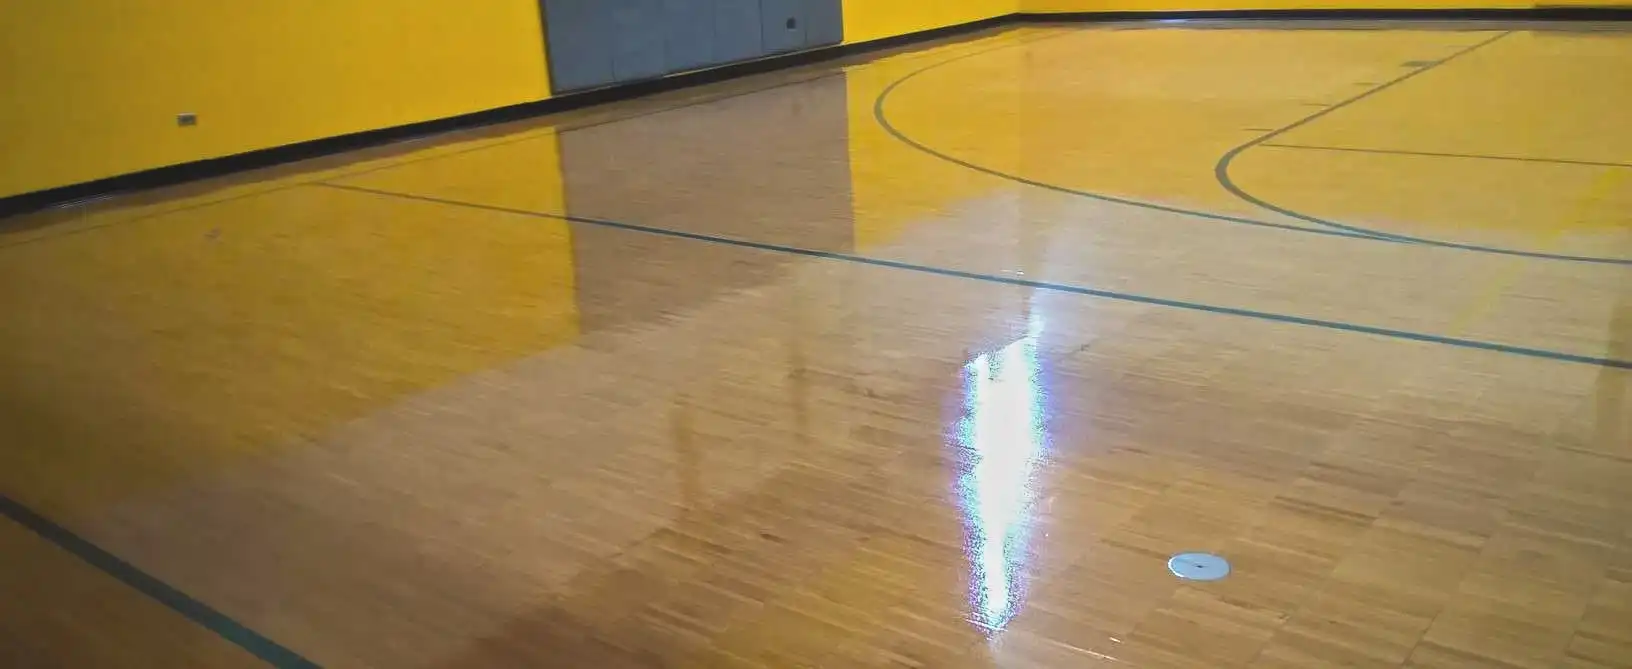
{"x": 261, "y": 158}
{"x": 214, "y": 167}
{"x": 1557, "y": 13}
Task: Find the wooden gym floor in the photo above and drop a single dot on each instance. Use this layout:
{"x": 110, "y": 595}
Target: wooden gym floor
{"x": 927, "y": 359}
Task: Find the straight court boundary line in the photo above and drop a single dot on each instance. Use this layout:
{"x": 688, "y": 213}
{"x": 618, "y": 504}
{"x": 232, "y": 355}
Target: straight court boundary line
{"x": 1358, "y": 328}
{"x": 1435, "y": 154}
{"x": 204, "y": 615}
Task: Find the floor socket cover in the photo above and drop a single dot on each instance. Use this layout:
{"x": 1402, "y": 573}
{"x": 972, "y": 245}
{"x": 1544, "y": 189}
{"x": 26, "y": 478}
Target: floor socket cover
{"x": 1199, "y": 566}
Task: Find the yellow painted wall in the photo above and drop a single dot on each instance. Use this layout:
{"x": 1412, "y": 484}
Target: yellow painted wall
{"x": 91, "y": 87}
{"x": 867, "y": 20}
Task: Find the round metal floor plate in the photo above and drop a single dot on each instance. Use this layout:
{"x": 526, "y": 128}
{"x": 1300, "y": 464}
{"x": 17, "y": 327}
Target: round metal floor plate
{"x": 1199, "y": 566}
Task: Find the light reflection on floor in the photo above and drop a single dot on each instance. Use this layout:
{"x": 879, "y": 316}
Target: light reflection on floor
{"x": 1002, "y": 429}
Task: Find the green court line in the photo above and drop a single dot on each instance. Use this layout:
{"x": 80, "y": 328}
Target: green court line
{"x": 1545, "y": 354}
{"x": 221, "y": 624}
{"x": 1436, "y": 154}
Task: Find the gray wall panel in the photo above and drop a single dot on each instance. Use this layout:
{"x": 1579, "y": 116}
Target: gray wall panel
{"x": 637, "y": 39}
{"x": 736, "y": 31}
{"x": 580, "y": 43}
{"x": 688, "y": 34}
{"x": 783, "y": 24}
{"x": 824, "y": 22}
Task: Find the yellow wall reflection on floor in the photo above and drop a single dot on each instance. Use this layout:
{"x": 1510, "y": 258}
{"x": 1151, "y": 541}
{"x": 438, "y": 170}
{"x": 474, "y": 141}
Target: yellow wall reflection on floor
{"x": 895, "y": 185}
{"x": 198, "y": 337}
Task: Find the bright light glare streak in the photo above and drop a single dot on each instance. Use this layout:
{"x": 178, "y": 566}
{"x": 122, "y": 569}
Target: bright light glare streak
{"x": 1002, "y": 428}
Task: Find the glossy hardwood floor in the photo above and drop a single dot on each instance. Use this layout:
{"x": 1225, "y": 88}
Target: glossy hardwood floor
{"x": 929, "y": 359}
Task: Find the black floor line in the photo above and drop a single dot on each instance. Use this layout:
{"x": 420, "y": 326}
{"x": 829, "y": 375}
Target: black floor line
{"x": 1434, "y": 154}
{"x": 215, "y": 621}
{"x": 1546, "y": 354}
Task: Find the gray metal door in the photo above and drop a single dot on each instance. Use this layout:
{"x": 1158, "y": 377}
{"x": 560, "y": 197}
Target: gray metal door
{"x": 688, "y": 33}
{"x": 736, "y": 31}
{"x": 579, "y": 35}
{"x": 782, "y": 25}
{"x": 637, "y": 39}
{"x": 824, "y": 22}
